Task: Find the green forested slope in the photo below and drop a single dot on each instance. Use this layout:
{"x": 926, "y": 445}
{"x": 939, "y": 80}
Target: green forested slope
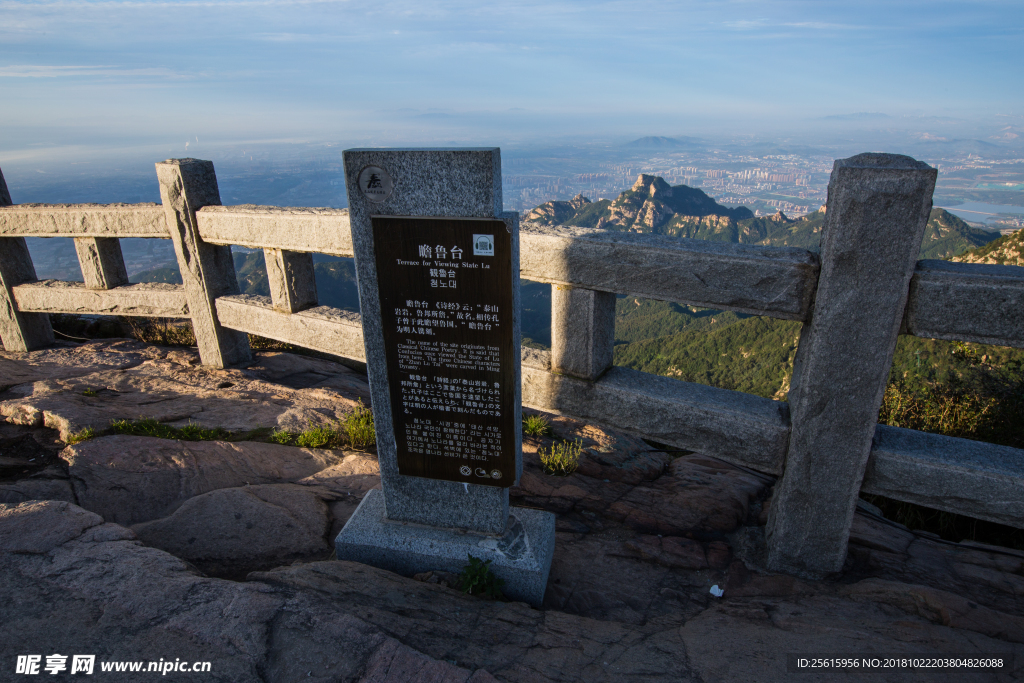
{"x": 749, "y": 354}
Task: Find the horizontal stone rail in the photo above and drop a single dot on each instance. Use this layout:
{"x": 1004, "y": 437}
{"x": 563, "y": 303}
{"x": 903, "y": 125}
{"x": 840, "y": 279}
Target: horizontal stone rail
{"x": 771, "y": 281}
{"x": 321, "y": 328}
{"x": 967, "y": 302}
{"x": 965, "y": 477}
{"x": 325, "y": 231}
{"x": 83, "y": 220}
{"x": 740, "y": 428}
{"x": 156, "y": 299}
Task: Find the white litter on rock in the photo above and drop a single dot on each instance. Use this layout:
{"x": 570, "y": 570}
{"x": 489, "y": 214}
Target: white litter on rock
{"x": 716, "y": 591}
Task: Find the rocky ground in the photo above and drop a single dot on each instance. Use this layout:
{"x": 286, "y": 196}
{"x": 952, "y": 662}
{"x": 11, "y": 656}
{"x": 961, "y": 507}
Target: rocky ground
{"x": 137, "y": 548}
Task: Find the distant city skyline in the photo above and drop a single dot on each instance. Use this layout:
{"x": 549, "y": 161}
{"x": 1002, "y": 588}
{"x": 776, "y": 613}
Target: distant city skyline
{"x": 80, "y": 75}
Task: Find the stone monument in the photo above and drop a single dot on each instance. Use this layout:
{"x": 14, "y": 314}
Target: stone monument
{"x": 438, "y": 268}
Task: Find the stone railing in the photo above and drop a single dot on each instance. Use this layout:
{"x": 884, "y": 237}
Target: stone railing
{"x": 853, "y": 301}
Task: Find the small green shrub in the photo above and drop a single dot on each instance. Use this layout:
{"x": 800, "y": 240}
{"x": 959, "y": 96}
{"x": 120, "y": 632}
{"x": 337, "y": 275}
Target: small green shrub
{"x": 358, "y": 426}
{"x": 90, "y": 392}
{"x": 561, "y": 459}
{"x": 535, "y": 425}
{"x": 81, "y": 436}
{"x": 281, "y": 437}
{"x": 477, "y": 578}
{"x": 316, "y": 437}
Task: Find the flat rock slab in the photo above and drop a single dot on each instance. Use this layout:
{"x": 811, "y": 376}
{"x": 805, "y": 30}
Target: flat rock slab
{"x": 65, "y": 360}
{"x": 252, "y": 526}
{"x": 133, "y": 479}
{"x": 174, "y": 389}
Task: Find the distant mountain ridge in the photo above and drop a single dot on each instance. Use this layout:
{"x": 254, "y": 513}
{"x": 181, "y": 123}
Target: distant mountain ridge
{"x": 653, "y": 206}
{"x": 1008, "y": 250}
{"x": 650, "y": 206}
{"x": 662, "y": 142}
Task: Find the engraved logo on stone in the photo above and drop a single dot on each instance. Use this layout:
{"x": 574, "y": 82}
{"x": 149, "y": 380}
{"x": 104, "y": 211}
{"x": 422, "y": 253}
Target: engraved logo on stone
{"x": 483, "y": 245}
{"x": 465, "y": 470}
{"x": 375, "y": 184}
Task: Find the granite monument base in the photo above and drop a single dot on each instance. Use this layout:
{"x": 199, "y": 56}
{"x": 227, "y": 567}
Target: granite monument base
{"x": 521, "y": 556}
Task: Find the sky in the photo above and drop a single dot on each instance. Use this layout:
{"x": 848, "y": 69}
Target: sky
{"x": 82, "y": 74}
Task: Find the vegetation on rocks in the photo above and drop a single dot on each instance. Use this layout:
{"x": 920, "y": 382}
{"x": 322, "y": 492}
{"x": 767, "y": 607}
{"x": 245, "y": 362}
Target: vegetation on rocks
{"x": 151, "y": 427}
{"x": 535, "y": 425}
{"x": 561, "y": 458}
{"x": 478, "y": 579}
{"x": 81, "y": 436}
{"x": 355, "y": 431}
{"x": 1008, "y": 250}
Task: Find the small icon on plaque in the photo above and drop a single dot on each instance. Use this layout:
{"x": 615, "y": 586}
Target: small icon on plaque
{"x": 465, "y": 470}
{"x": 375, "y": 184}
{"x": 483, "y": 245}
{"x": 496, "y": 474}
{"x": 481, "y": 472}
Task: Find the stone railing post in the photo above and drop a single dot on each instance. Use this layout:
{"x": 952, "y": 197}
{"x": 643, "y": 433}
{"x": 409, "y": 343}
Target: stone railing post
{"x": 207, "y": 270}
{"x": 878, "y": 206}
{"x": 101, "y": 261}
{"x": 18, "y": 331}
{"x": 291, "y": 278}
{"x": 582, "y": 331}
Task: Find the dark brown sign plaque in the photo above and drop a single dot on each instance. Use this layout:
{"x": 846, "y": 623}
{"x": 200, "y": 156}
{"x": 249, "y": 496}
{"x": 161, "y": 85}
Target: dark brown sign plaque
{"x": 445, "y": 288}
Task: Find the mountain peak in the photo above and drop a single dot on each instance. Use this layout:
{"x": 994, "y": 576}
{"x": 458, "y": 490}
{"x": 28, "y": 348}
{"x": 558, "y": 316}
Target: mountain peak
{"x": 578, "y": 202}
{"x": 652, "y": 185}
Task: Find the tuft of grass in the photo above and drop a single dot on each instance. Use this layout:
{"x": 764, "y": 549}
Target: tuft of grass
{"x": 359, "y": 429}
{"x": 535, "y": 425}
{"x": 561, "y": 459}
{"x": 281, "y": 437}
{"x": 90, "y": 392}
{"x": 151, "y": 427}
{"x": 81, "y": 436}
{"x": 477, "y": 578}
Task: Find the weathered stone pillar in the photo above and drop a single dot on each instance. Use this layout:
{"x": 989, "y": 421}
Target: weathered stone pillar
{"x": 101, "y": 261}
{"x": 582, "y": 331}
{"x": 207, "y": 270}
{"x": 291, "y": 278}
{"x": 878, "y": 206}
{"x": 18, "y": 331}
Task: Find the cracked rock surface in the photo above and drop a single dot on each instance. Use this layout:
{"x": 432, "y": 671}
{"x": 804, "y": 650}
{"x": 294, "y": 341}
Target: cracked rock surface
{"x": 129, "y": 380}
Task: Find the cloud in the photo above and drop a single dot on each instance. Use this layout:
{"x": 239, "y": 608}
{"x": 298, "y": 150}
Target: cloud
{"x": 764, "y": 24}
{"x": 54, "y": 71}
